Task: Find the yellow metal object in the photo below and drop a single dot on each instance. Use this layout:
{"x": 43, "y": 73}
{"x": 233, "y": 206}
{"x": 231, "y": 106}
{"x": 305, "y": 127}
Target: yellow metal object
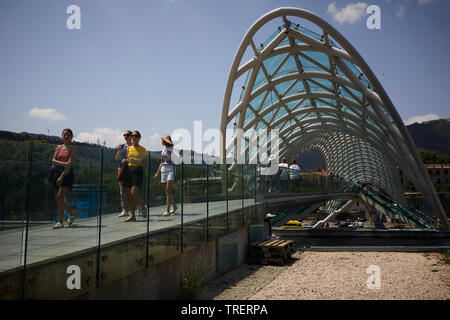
{"x": 293, "y": 224}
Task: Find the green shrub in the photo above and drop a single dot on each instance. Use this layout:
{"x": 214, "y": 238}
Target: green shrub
{"x": 193, "y": 281}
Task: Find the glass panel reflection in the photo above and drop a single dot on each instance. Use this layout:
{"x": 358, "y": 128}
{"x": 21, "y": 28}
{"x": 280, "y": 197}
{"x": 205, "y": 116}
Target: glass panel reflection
{"x": 82, "y": 198}
{"x": 194, "y": 204}
{"x": 13, "y": 175}
{"x": 217, "y": 205}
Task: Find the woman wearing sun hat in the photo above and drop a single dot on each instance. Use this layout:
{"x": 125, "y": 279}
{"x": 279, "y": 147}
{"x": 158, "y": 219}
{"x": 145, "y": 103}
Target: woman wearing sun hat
{"x": 167, "y": 170}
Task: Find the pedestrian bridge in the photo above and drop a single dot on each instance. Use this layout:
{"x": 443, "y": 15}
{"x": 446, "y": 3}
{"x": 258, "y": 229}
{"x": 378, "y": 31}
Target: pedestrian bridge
{"x": 311, "y": 87}
{"x": 221, "y": 208}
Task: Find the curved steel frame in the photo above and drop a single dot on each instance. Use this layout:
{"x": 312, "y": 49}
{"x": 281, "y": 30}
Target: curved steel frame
{"x": 341, "y": 109}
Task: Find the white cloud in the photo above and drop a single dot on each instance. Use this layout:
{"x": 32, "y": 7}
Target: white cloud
{"x": 47, "y": 114}
{"x": 352, "y": 13}
{"x": 153, "y": 142}
{"x": 424, "y": 2}
{"x": 400, "y": 12}
{"x": 420, "y": 119}
{"x": 114, "y": 137}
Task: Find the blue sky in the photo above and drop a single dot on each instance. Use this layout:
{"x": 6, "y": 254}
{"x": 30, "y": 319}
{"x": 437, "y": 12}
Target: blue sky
{"x": 159, "y": 65}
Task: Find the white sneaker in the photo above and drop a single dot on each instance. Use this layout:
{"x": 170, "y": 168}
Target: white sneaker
{"x": 58, "y": 225}
{"x": 165, "y": 214}
{"x": 174, "y": 210}
{"x": 124, "y": 214}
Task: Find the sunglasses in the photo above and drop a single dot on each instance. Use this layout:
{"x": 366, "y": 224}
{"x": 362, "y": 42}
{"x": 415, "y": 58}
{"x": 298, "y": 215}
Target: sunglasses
{"x": 127, "y": 135}
{"x": 135, "y": 136}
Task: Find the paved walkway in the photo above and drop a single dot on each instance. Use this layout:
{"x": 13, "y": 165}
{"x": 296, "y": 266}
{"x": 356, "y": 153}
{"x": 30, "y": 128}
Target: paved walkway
{"x": 45, "y": 243}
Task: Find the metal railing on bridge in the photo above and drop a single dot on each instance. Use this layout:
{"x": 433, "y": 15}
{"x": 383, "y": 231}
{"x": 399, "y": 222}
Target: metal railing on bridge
{"x": 413, "y": 215}
{"x": 212, "y": 199}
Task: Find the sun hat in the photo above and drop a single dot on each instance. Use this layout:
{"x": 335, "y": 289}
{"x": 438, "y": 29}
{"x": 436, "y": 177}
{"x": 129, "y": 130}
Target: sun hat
{"x": 166, "y": 138}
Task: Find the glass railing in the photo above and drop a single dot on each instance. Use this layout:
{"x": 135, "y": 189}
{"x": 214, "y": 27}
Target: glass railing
{"x": 307, "y": 183}
{"x": 211, "y": 201}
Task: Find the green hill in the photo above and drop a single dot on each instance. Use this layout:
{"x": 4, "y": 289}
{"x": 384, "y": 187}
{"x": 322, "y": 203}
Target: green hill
{"x": 432, "y": 136}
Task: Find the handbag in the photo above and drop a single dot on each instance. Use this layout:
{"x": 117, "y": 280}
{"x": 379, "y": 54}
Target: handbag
{"x": 55, "y": 173}
{"x": 122, "y": 172}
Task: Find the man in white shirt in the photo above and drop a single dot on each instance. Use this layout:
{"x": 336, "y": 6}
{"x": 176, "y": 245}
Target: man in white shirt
{"x": 284, "y": 175}
{"x": 294, "y": 173}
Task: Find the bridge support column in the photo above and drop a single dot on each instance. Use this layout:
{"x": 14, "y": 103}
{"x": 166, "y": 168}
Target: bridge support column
{"x": 334, "y": 214}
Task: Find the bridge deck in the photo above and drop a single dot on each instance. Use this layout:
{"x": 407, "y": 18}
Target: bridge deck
{"x": 44, "y": 243}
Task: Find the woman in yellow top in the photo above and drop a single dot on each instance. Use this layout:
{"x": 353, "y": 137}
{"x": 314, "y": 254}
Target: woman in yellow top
{"x": 136, "y": 158}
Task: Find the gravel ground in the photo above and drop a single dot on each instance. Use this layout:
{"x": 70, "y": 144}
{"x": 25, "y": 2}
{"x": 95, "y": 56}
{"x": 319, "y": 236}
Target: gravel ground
{"x": 337, "y": 275}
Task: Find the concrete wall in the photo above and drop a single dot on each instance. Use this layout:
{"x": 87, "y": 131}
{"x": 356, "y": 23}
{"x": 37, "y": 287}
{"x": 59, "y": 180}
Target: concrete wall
{"x": 162, "y": 280}
{"x": 123, "y": 271}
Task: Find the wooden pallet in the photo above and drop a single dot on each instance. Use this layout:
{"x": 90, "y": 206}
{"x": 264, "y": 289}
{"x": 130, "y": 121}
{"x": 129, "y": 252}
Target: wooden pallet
{"x": 271, "y": 252}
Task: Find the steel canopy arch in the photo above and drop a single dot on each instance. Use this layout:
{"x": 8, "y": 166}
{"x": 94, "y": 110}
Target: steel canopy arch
{"x": 344, "y": 93}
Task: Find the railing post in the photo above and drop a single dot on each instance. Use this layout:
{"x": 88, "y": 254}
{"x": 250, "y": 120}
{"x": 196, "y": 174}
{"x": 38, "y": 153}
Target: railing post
{"x": 207, "y": 202}
{"x": 99, "y": 219}
{"x": 2, "y": 200}
{"x": 242, "y": 194}
{"x": 50, "y": 201}
{"x": 182, "y": 206}
{"x": 226, "y": 190}
{"x": 255, "y": 210}
{"x": 90, "y": 188}
{"x": 256, "y": 184}
{"x": 148, "y": 208}
{"x": 29, "y": 168}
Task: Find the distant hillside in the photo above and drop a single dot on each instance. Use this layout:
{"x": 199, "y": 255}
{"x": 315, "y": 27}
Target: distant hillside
{"x": 432, "y": 135}
{"x": 25, "y": 136}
